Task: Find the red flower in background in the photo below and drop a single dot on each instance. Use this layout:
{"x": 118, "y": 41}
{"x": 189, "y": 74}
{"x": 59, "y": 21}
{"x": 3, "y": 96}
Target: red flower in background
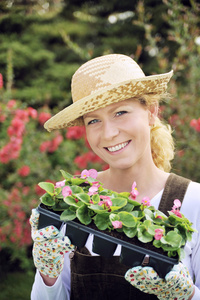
{"x": 75, "y": 132}
{"x": 51, "y": 146}
{"x": 1, "y": 81}
{"x": 43, "y": 117}
{"x": 195, "y": 124}
{"x": 32, "y": 112}
{"x": 11, "y": 103}
{"x": 16, "y": 128}
{"x": 24, "y": 171}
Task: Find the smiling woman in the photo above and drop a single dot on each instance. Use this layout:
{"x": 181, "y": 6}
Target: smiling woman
{"x": 118, "y": 106}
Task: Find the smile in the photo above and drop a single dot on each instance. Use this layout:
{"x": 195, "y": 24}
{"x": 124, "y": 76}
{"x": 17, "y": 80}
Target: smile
{"x": 117, "y": 147}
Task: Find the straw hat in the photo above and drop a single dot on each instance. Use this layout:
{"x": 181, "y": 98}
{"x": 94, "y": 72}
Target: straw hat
{"x": 102, "y": 81}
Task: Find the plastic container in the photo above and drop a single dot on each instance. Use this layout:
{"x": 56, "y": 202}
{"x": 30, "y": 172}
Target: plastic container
{"x": 105, "y": 245}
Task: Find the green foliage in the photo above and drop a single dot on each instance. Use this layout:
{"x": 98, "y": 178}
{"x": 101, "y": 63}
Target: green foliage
{"x": 108, "y": 211}
{"x": 21, "y": 286}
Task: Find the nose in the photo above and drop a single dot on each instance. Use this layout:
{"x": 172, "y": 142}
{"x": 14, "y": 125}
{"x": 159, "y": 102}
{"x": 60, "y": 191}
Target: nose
{"x": 109, "y": 130}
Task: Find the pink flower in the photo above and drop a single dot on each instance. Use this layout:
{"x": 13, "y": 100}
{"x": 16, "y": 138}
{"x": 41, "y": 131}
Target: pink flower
{"x": 85, "y": 174}
{"x": 158, "y": 217}
{"x": 96, "y": 183}
{"x": 93, "y": 173}
{"x": 175, "y": 208}
{"x": 158, "y": 234}
{"x": 24, "y": 171}
{"x": 60, "y": 183}
{"x": 117, "y": 224}
{"x": 104, "y": 197}
{"x": 66, "y": 191}
{"x": 89, "y": 173}
{"x": 177, "y": 213}
{"x": 134, "y": 193}
{"x": 93, "y": 190}
{"x": 146, "y": 201}
{"x": 177, "y": 204}
{"x": 106, "y": 203}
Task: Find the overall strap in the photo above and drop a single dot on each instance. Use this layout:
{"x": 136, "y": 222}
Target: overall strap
{"x": 175, "y": 188}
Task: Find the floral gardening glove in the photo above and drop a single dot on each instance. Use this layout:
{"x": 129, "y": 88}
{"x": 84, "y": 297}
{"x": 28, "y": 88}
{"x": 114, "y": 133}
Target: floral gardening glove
{"x": 49, "y": 247}
{"x": 176, "y": 285}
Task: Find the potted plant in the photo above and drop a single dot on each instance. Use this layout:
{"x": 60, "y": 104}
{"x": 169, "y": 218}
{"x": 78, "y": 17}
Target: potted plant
{"x": 117, "y": 218}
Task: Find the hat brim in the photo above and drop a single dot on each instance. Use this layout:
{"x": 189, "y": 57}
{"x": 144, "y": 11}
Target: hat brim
{"x": 72, "y": 115}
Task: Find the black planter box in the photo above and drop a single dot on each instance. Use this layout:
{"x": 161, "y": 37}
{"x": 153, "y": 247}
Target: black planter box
{"x": 131, "y": 255}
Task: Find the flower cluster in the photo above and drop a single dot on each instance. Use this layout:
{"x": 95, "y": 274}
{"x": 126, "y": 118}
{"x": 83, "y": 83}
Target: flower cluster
{"x": 85, "y": 199}
{"x": 24, "y": 144}
{"x": 15, "y": 212}
{"x": 195, "y": 124}
{"x": 15, "y": 130}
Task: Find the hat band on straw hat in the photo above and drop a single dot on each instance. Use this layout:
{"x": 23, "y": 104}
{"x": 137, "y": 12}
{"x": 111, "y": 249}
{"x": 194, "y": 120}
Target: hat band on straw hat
{"x": 102, "y": 81}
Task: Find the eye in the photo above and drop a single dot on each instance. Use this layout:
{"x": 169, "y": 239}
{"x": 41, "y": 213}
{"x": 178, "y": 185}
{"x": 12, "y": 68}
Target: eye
{"x": 93, "y": 121}
{"x": 119, "y": 113}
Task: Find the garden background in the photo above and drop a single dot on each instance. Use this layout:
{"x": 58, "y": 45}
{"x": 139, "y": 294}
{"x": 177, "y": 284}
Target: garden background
{"x": 42, "y": 43}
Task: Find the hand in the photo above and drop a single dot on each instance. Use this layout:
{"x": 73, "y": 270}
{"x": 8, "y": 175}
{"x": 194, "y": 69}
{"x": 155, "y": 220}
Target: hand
{"x": 176, "y": 285}
{"x": 49, "y": 247}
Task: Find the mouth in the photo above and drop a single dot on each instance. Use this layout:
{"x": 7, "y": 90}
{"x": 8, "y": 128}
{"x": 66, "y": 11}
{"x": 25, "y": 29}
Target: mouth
{"x": 117, "y": 147}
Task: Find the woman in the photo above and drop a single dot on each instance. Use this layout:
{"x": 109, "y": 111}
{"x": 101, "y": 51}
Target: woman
{"x": 118, "y": 105}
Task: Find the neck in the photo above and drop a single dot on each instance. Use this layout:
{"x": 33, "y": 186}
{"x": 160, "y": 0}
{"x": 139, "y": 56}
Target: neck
{"x": 149, "y": 181}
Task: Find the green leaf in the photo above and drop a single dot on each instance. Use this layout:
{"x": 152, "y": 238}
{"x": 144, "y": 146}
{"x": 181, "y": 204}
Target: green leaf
{"x": 68, "y": 215}
{"x": 148, "y": 214}
{"x": 157, "y": 243}
{"x": 124, "y": 194}
{"x": 138, "y": 214}
{"x": 46, "y": 199}
{"x": 145, "y": 237}
{"x": 76, "y": 189}
{"x": 70, "y": 200}
{"x": 77, "y": 181}
{"x": 127, "y": 219}
{"x": 95, "y": 198}
{"x": 130, "y": 232}
{"x": 60, "y": 206}
{"x": 135, "y": 203}
{"x": 48, "y": 187}
{"x": 152, "y": 227}
{"x": 96, "y": 208}
{"x": 83, "y": 215}
{"x": 113, "y": 217}
{"x": 102, "y": 221}
{"x": 128, "y": 207}
{"x": 117, "y": 203}
{"x": 66, "y": 175}
{"x": 85, "y": 198}
{"x": 173, "y": 239}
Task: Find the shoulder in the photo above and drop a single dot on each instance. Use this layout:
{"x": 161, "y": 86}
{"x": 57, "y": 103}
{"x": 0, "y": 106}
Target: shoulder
{"x": 193, "y": 191}
{"x": 191, "y": 203}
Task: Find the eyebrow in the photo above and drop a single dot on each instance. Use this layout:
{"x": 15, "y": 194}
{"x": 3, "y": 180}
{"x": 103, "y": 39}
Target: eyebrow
{"x": 94, "y": 115}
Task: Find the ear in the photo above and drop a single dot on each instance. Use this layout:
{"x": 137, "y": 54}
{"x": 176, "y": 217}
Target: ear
{"x": 153, "y": 113}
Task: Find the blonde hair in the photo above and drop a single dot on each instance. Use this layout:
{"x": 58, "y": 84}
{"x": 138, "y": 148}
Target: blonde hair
{"x": 162, "y": 143}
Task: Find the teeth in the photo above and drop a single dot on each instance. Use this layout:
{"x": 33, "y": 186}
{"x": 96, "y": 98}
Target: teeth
{"x": 118, "y": 147}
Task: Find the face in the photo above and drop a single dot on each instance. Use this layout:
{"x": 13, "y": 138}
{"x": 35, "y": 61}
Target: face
{"x": 120, "y": 133}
